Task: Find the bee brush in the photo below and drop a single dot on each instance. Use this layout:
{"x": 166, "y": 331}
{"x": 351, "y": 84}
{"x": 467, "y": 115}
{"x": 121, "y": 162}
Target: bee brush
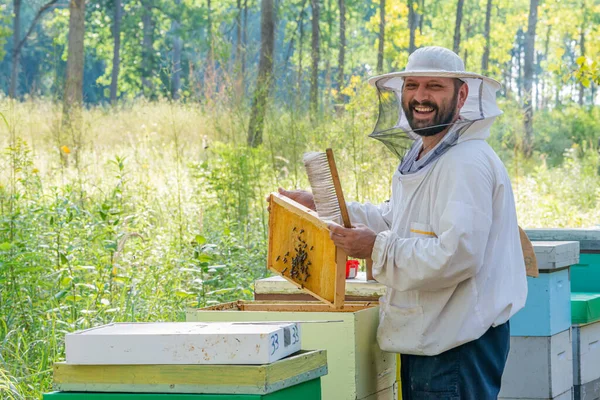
{"x": 327, "y": 191}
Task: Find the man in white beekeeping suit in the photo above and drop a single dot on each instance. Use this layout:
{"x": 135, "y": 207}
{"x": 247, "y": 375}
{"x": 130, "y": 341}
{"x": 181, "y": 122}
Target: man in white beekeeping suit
{"x": 446, "y": 245}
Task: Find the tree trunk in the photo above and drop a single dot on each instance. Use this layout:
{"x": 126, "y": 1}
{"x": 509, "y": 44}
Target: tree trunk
{"x": 459, "y": 15}
{"x": 299, "y": 21}
{"x": 381, "y": 36}
{"x": 265, "y": 70}
{"x": 543, "y": 100}
{"x": 244, "y": 37}
{"x": 19, "y": 43}
{"x": 73, "y": 99}
{"x": 519, "y": 64}
{"x": 238, "y": 35}
{"x": 582, "y": 49}
{"x": 16, "y": 53}
{"x": 177, "y": 48}
{"x": 210, "y": 81}
{"x": 300, "y": 48}
{"x": 148, "y": 25}
{"x": 486, "y": 51}
{"x": 315, "y": 56}
{"x": 412, "y": 26}
{"x": 116, "y": 52}
{"x": 342, "y": 50}
{"x": 75, "y": 57}
{"x": 328, "y": 52}
{"x": 528, "y": 78}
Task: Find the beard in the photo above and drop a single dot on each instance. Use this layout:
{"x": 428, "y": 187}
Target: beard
{"x": 442, "y": 117}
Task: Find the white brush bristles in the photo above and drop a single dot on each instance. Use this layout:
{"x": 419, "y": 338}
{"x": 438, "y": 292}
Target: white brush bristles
{"x": 321, "y": 182}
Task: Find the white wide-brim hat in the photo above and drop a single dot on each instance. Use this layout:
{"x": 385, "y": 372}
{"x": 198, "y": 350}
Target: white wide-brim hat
{"x": 476, "y": 115}
{"x": 435, "y": 61}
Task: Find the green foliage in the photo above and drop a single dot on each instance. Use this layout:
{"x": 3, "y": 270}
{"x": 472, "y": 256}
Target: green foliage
{"x": 5, "y": 30}
{"x": 572, "y": 129}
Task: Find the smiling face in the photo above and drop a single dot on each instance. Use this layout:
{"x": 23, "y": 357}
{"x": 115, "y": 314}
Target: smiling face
{"x": 432, "y": 103}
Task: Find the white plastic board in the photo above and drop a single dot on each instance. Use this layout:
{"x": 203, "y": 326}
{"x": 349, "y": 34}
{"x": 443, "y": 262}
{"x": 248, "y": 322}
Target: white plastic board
{"x": 183, "y": 343}
{"x": 555, "y": 255}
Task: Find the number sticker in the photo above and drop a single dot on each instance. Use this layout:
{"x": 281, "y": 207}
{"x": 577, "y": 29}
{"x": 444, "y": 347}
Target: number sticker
{"x": 295, "y": 337}
{"x": 274, "y": 343}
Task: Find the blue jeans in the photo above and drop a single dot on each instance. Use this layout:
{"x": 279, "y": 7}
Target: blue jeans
{"x": 470, "y": 371}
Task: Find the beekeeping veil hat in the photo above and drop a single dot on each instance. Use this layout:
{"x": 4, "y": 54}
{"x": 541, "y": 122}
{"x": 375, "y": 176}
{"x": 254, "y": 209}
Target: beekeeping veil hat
{"x": 476, "y": 115}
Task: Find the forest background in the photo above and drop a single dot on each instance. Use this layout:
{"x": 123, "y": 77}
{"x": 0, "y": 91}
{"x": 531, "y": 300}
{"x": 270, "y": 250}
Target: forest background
{"x": 140, "y": 137}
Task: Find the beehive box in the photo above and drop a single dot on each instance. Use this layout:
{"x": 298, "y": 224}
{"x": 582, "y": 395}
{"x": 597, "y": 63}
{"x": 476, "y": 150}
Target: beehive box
{"x": 306, "y": 390}
{"x": 585, "y": 275}
{"x": 588, "y": 238}
{"x": 586, "y": 353}
{"x": 589, "y": 391}
{"x": 358, "y": 368}
{"x": 301, "y": 367}
{"x": 585, "y": 307}
{"x": 277, "y": 288}
{"x": 568, "y": 395}
{"x": 182, "y": 343}
{"x": 539, "y": 367}
{"x": 547, "y": 310}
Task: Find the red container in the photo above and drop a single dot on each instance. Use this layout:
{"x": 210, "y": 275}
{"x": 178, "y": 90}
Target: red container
{"x": 351, "y": 269}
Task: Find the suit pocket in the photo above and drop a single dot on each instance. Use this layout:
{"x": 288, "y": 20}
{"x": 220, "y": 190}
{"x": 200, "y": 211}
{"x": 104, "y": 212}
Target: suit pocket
{"x": 418, "y": 229}
{"x": 400, "y": 327}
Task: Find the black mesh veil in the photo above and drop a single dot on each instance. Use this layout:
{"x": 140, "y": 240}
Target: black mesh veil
{"x": 387, "y": 129}
{"x": 392, "y": 127}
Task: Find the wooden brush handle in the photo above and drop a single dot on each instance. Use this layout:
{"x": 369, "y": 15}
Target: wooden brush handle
{"x": 338, "y": 188}
{"x": 344, "y": 211}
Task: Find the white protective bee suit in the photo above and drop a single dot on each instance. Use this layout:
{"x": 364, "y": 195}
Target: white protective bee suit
{"x": 447, "y": 246}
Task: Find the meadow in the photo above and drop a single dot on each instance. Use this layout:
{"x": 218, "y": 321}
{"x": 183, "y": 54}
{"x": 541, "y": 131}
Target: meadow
{"x": 157, "y": 206}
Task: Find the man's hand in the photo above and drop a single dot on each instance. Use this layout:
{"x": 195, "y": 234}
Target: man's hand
{"x": 299, "y": 196}
{"x": 357, "y": 241}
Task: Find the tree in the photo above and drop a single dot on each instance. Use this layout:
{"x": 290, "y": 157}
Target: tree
{"x": 19, "y": 43}
{"x": 177, "y": 48}
{"x": 244, "y": 36}
{"x": 412, "y": 25}
{"x": 582, "y": 47}
{"x": 342, "y": 50}
{"x": 265, "y": 71}
{"x": 315, "y": 56}
{"x": 148, "y": 25}
{"x": 116, "y": 52}
{"x": 486, "y": 51}
{"x": 459, "y": 15}
{"x": 528, "y": 77}
{"x": 300, "y": 46}
{"x": 381, "y": 36}
{"x": 74, "y": 81}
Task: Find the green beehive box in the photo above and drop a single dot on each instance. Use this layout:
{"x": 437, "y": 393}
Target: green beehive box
{"x": 585, "y": 307}
{"x": 306, "y": 390}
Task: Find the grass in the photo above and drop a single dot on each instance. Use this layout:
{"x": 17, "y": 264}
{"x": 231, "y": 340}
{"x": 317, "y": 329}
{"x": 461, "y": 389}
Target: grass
{"x": 155, "y": 207}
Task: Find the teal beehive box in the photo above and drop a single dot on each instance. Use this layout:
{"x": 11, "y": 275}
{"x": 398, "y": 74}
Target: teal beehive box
{"x": 585, "y": 275}
{"x": 548, "y": 307}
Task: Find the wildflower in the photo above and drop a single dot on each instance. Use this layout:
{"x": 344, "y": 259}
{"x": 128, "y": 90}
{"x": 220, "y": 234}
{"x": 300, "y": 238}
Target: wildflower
{"x": 35, "y": 170}
{"x": 65, "y": 149}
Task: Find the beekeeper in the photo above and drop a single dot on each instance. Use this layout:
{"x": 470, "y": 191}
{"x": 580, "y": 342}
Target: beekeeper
{"x": 447, "y": 243}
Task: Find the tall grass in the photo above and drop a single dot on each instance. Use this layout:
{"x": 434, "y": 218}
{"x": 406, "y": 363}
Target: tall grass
{"x": 154, "y": 207}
